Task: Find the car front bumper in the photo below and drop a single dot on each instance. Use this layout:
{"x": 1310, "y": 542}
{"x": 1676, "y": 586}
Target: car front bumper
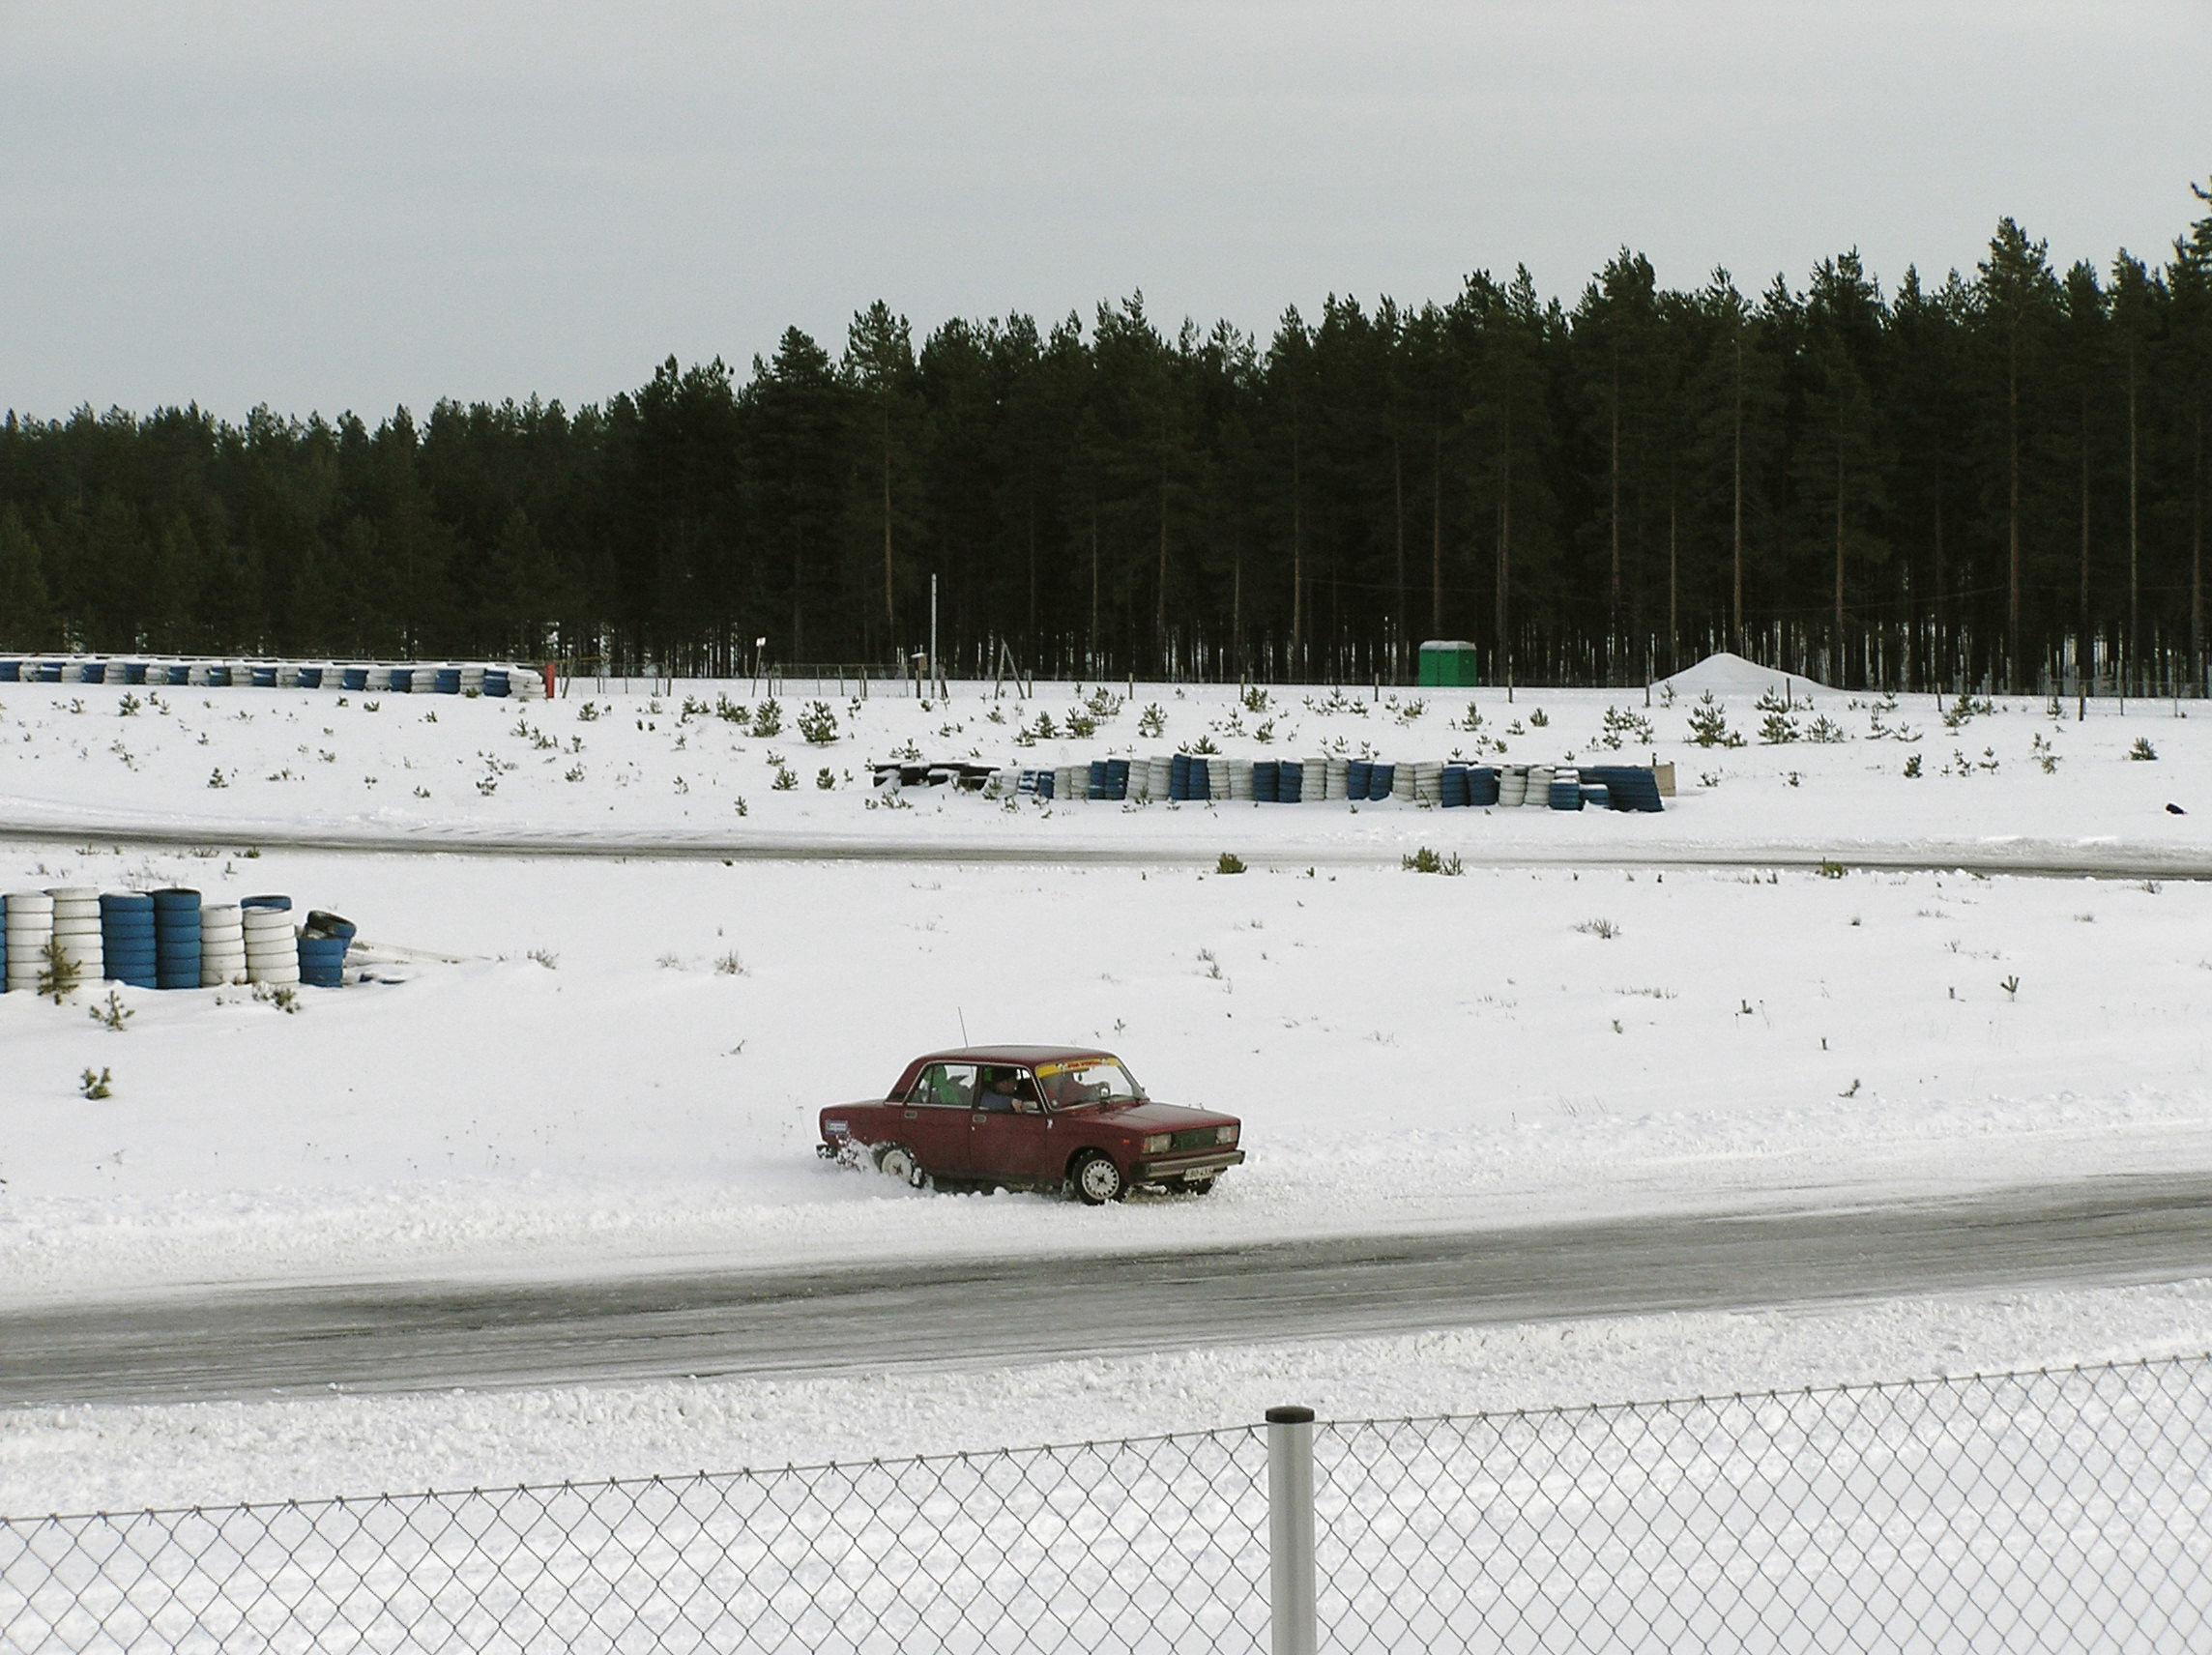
{"x": 1183, "y": 1169}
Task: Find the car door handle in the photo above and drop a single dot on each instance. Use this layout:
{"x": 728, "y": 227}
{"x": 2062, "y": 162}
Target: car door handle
{"x": 910, "y": 1115}
{"x": 978, "y": 1119}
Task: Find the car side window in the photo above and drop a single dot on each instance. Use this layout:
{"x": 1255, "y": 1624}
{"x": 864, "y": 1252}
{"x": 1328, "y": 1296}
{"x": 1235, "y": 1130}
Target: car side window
{"x": 1007, "y": 1090}
{"x": 951, "y": 1085}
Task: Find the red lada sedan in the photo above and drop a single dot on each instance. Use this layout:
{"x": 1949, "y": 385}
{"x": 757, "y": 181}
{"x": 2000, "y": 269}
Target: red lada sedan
{"x": 1031, "y": 1117}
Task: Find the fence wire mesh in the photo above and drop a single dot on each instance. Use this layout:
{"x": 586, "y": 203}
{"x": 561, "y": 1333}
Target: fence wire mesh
{"x": 2041, "y": 1511}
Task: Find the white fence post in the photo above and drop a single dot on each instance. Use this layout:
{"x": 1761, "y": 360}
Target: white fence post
{"x": 1291, "y": 1531}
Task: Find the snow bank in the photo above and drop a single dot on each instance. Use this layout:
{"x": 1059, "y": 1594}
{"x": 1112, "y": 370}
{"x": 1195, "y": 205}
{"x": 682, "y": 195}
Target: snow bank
{"x": 1730, "y": 674}
{"x": 121, "y": 1459}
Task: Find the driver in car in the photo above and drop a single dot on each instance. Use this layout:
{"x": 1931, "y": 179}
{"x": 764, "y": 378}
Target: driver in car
{"x": 1009, "y": 1092}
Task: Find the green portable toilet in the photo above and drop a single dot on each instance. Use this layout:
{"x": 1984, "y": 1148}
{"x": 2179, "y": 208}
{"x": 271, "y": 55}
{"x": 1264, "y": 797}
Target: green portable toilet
{"x": 1448, "y": 664}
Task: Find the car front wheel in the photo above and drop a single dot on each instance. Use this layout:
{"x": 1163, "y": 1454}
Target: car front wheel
{"x": 1099, "y": 1181}
{"x": 897, "y": 1161}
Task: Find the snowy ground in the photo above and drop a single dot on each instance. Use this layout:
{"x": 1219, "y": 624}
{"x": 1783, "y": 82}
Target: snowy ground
{"x": 611, "y": 769}
{"x": 1407, "y": 1049}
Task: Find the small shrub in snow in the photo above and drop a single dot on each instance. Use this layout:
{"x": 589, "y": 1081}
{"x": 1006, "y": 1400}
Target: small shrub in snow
{"x": 768, "y": 720}
{"x": 215, "y": 777}
{"x": 817, "y": 725}
{"x": 588, "y": 713}
{"x": 2142, "y": 749}
{"x": 2011, "y": 986}
{"x": 824, "y": 779}
{"x": 1228, "y": 864}
{"x": 1537, "y": 720}
{"x": 1620, "y": 727}
{"x": 1604, "y": 930}
{"x": 94, "y": 1087}
{"x": 1254, "y": 698}
{"x": 1427, "y": 862}
{"x": 1826, "y": 730}
{"x": 1778, "y": 726}
{"x": 785, "y": 781}
{"x": 730, "y": 711}
{"x": 2045, "y": 754}
{"x": 114, "y": 1016}
{"x": 128, "y": 706}
{"x": 1080, "y": 726}
{"x": 58, "y": 972}
{"x": 282, "y": 997}
{"x": 1832, "y": 870}
{"x": 1965, "y": 708}
{"x": 1913, "y": 765}
{"x": 546, "y": 957}
{"x": 1708, "y": 724}
{"x": 1411, "y": 712}
{"x": 1204, "y": 746}
{"x": 730, "y": 966}
{"x": 1153, "y": 722}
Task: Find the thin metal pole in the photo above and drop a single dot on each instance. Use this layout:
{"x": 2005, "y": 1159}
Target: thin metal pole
{"x": 1291, "y": 1531}
{"x": 933, "y": 675}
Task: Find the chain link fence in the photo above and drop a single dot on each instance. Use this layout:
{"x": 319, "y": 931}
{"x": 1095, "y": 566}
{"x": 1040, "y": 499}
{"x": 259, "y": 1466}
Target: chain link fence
{"x": 2064, "y": 1510}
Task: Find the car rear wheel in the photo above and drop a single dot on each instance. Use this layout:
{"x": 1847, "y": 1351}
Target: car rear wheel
{"x": 897, "y": 1161}
{"x": 1097, "y": 1179}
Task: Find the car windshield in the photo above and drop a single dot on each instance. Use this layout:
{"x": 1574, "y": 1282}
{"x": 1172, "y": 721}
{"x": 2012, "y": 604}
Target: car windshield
{"x": 1087, "y": 1079}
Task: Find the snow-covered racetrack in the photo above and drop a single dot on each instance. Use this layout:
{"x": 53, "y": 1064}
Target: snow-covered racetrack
{"x": 869, "y": 1320}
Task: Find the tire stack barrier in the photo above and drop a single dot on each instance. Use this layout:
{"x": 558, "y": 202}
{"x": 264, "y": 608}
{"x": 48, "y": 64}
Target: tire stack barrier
{"x": 1629, "y": 787}
{"x": 1481, "y": 786}
{"x": 1381, "y": 779}
{"x": 272, "y": 946}
{"x": 222, "y": 945}
{"x": 1209, "y": 778}
{"x": 1566, "y": 789}
{"x": 177, "y": 939}
{"x": 1428, "y": 782}
{"x": 1266, "y": 782}
{"x": 1513, "y": 787}
{"x": 1539, "y": 786}
{"x": 76, "y": 929}
{"x": 127, "y": 937}
{"x": 1290, "y": 782}
{"x": 28, "y": 926}
{"x": 323, "y": 945}
{"x": 1451, "y": 788}
{"x": 1596, "y": 796}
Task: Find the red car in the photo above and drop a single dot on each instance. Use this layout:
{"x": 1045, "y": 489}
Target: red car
{"x": 1031, "y": 1117}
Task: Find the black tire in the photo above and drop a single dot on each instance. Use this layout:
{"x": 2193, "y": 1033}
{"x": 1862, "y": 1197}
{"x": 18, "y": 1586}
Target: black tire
{"x": 1097, "y": 1181}
{"x": 897, "y": 1161}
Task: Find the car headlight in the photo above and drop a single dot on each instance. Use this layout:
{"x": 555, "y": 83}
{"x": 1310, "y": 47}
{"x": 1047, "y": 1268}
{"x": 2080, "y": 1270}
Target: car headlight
{"x": 1225, "y": 1134}
{"x": 1157, "y": 1144}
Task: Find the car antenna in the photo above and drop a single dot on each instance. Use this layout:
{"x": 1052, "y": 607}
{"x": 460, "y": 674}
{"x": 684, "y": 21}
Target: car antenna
{"x": 962, "y": 1016}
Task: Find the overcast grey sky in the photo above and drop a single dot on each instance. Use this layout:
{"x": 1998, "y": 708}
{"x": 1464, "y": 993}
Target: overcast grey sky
{"x": 324, "y": 207}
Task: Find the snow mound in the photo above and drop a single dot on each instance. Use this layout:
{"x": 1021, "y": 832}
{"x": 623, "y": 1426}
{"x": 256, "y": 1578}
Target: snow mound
{"x": 1726, "y": 674}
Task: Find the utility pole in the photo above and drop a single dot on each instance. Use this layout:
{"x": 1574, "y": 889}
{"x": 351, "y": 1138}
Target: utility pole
{"x": 936, "y": 677}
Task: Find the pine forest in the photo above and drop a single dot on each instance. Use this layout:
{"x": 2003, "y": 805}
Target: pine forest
{"x": 1993, "y": 480}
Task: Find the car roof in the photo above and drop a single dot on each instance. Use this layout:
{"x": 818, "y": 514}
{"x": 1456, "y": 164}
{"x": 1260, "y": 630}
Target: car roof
{"x": 1026, "y": 1057}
